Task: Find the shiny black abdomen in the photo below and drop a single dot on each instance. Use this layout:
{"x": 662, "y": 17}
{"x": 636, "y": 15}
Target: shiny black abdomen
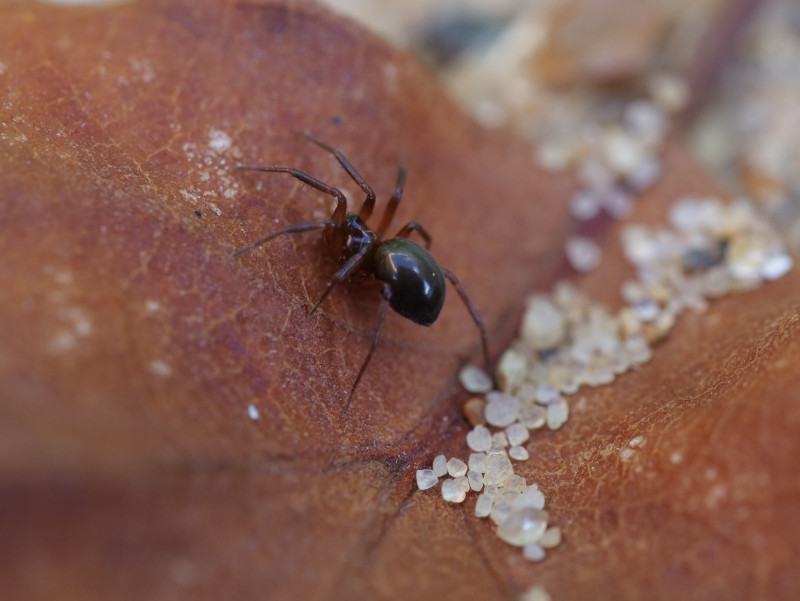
{"x": 416, "y": 280}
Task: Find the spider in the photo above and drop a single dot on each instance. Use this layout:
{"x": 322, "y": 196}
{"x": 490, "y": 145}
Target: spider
{"x": 413, "y": 283}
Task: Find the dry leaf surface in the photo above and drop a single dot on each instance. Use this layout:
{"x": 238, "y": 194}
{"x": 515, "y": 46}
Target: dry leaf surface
{"x": 132, "y": 346}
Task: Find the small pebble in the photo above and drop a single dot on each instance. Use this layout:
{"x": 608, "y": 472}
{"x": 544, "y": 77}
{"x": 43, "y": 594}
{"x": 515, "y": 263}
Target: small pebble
{"x": 645, "y": 117}
{"x": 426, "y": 479}
{"x": 497, "y": 449}
{"x": 498, "y": 469}
{"x": 501, "y": 409}
{"x": 531, "y": 497}
{"x": 536, "y": 593}
{"x": 533, "y": 417}
{"x": 475, "y": 480}
{"x": 474, "y": 411}
{"x": 439, "y": 466}
{"x": 474, "y": 379}
{"x": 499, "y": 439}
{"x": 499, "y": 512}
{"x": 584, "y": 205}
{"x": 646, "y": 310}
{"x": 622, "y": 151}
{"x": 477, "y": 462}
{"x": 511, "y": 369}
{"x": 518, "y": 453}
{"x": 523, "y": 525}
{"x": 546, "y": 394}
{"x": 583, "y": 254}
{"x": 617, "y": 203}
{"x": 543, "y": 325}
{"x": 533, "y": 552}
{"x": 516, "y": 434}
{"x": 744, "y": 256}
{"x": 506, "y": 496}
{"x": 552, "y": 157}
{"x": 491, "y": 490}
{"x": 669, "y": 91}
{"x": 557, "y": 414}
{"x": 451, "y": 492}
{"x": 776, "y": 266}
{"x": 483, "y": 506}
{"x": 559, "y": 376}
{"x": 645, "y": 174}
{"x": 659, "y": 329}
{"x": 551, "y": 537}
{"x": 479, "y": 438}
{"x": 693, "y": 215}
{"x": 516, "y": 484}
{"x": 628, "y": 323}
{"x": 595, "y": 174}
{"x": 456, "y": 467}
{"x": 640, "y": 245}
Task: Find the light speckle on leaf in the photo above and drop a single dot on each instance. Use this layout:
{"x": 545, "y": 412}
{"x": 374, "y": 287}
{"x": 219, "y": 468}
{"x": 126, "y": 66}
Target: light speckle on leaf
{"x": 219, "y": 141}
{"x": 160, "y": 368}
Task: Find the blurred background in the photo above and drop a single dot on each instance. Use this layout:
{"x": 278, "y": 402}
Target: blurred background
{"x": 561, "y": 73}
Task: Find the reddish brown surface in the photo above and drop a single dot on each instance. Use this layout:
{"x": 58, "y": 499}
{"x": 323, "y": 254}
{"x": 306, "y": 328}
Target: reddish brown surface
{"x": 131, "y": 345}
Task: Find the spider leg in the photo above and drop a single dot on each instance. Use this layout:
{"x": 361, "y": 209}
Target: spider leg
{"x": 387, "y": 293}
{"x": 341, "y": 202}
{"x": 345, "y": 270}
{"x": 391, "y": 208}
{"x": 297, "y": 228}
{"x": 369, "y": 202}
{"x": 474, "y": 312}
{"x": 413, "y": 226}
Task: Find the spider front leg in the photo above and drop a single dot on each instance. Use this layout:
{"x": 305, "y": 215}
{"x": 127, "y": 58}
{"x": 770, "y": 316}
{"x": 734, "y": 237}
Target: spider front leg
{"x": 341, "y": 201}
{"x": 387, "y": 293}
{"x": 369, "y": 202}
{"x": 391, "y": 208}
{"x": 352, "y": 264}
{"x": 297, "y": 228}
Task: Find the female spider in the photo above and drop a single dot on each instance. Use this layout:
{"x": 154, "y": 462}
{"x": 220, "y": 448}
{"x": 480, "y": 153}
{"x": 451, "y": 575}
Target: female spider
{"x": 413, "y": 282}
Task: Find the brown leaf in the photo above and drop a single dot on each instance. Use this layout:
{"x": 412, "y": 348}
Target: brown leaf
{"x": 132, "y": 345}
